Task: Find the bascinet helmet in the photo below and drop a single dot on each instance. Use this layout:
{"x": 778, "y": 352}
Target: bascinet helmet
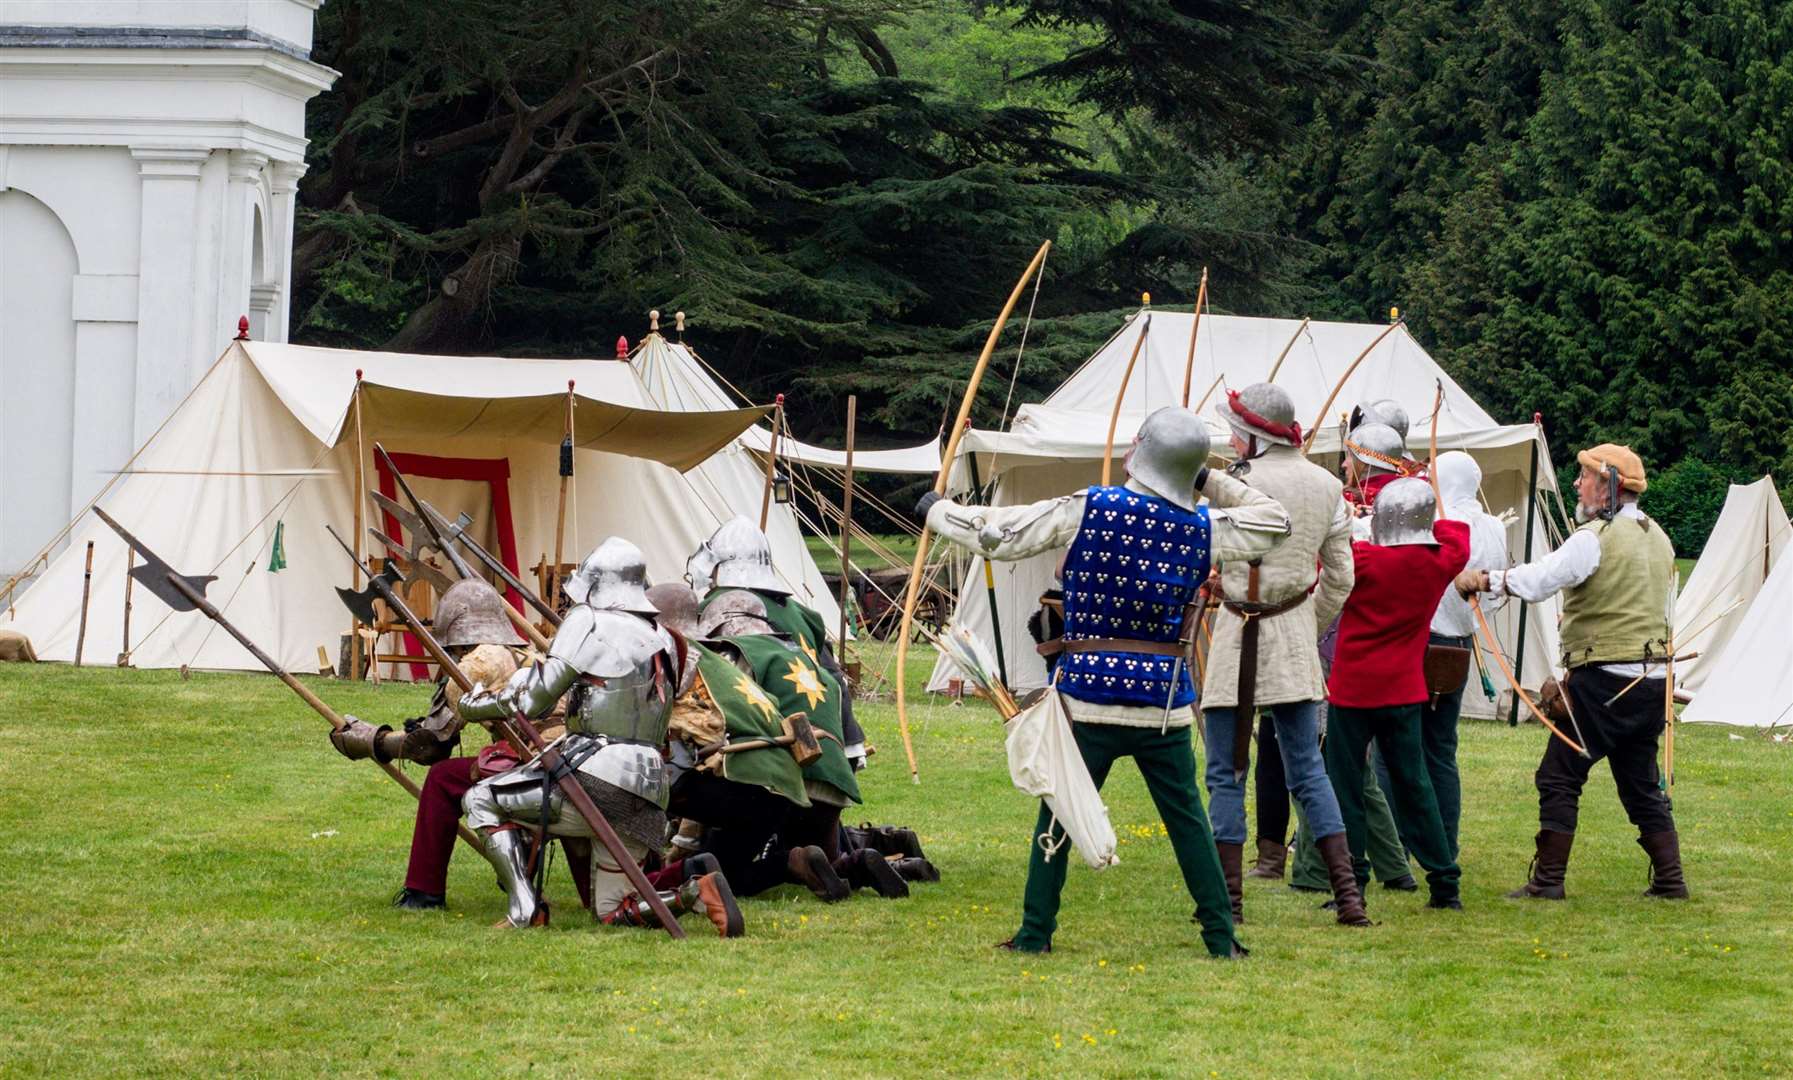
{"x": 614, "y": 578}
{"x": 1378, "y": 446}
{"x": 1261, "y": 411}
{"x": 1171, "y": 447}
{"x": 737, "y": 556}
{"x": 1382, "y": 411}
{"x": 471, "y": 613}
{"x": 678, "y": 607}
{"x": 1404, "y": 513}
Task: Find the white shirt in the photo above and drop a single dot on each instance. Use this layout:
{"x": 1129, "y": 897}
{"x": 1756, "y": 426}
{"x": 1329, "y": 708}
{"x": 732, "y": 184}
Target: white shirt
{"x": 1249, "y": 528}
{"x": 1567, "y": 567}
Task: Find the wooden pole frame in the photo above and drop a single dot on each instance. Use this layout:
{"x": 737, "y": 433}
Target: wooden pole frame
{"x": 86, "y": 591}
{"x": 771, "y": 461}
{"x": 846, "y": 528}
{"x": 560, "y": 517}
{"x": 360, "y": 552}
{"x": 913, "y": 590}
{"x": 124, "y": 645}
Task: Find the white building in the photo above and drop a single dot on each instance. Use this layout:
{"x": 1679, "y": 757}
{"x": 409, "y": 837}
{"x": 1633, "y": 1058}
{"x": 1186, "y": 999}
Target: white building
{"x": 150, "y": 153}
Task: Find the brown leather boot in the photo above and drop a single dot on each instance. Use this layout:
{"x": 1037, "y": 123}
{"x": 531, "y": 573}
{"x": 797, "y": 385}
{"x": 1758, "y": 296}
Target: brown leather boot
{"x": 1664, "y": 849}
{"x": 711, "y": 897}
{"x": 914, "y": 869}
{"x": 809, "y": 866}
{"x": 1347, "y": 898}
{"x": 1272, "y": 858}
{"x": 1232, "y": 857}
{"x": 1549, "y": 866}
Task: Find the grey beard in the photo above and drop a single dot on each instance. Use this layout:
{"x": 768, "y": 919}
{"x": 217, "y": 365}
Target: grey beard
{"x": 1582, "y": 514}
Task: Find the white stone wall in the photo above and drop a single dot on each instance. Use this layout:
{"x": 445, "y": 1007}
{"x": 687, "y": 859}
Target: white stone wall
{"x": 150, "y": 153}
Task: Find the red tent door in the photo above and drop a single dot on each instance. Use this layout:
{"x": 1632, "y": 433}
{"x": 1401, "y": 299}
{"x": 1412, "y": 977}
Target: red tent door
{"x": 478, "y": 487}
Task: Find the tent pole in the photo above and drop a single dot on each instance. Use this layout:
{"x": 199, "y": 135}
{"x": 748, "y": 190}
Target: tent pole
{"x": 560, "y": 518}
{"x": 1002, "y": 666}
{"x": 846, "y": 529}
{"x": 1531, "y": 517}
{"x": 124, "y": 656}
{"x": 86, "y": 590}
{"x": 360, "y": 557}
{"x": 771, "y": 461}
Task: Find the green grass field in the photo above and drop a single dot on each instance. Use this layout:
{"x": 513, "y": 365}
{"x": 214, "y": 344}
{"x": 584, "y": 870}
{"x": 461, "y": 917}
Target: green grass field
{"x": 196, "y": 884}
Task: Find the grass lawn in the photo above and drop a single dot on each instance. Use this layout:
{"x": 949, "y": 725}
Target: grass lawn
{"x": 196, "y": 884}
{"x": 828, "y": 561}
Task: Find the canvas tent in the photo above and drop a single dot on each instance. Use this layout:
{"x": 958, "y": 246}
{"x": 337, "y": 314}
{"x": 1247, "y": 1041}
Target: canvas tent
{"x": 1054, "y": 447}
{"x": 265, "y": 442}
{"x": 677, "y": 378}
{"x": 1750, "y": 534}
{"x": 1750, "y": 681}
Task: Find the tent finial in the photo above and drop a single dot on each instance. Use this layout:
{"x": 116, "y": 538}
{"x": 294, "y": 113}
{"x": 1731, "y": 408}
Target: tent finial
{"x": 653, "y": 321}
{"x": 1145, "y": 299}
{"x": 243, "y": 328}
{"x": 1394, "y": 314}
{"x": 678, "y": 322}
{"x": 622, "y": 347}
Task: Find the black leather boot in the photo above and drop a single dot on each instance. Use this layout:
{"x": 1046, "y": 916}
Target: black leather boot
{"x": 866, "y": 869}
{"x": 1549, "y": 866}
{"x": 914, "y": 869}
{"x": 1666, "y": 882}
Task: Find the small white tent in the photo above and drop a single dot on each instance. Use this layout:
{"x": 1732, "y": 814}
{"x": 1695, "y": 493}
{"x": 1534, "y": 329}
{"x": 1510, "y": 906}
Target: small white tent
{"x": 1750, "y": 534}
{"x": 1056, "y": 447}
{"x": 266, "y": 441}
{"x": 1750, "y": 681}
{"x": 677, "y": 378}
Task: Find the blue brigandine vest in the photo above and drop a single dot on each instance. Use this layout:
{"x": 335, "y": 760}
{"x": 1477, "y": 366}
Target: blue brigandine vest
{"x": 1132, "y": 570}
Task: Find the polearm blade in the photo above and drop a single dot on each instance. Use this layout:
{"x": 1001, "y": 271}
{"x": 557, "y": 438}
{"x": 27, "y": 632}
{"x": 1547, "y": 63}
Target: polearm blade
{"x": 575, "y": 793}
{"x": 491, "y": 562}
{"x": 447, "y": 549}
{"x": 192, "y": 598}
{"x": 419, "y": 566}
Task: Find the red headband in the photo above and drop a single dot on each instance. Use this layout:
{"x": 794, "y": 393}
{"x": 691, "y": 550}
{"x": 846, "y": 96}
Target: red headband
{"x": 1290, "y": 431}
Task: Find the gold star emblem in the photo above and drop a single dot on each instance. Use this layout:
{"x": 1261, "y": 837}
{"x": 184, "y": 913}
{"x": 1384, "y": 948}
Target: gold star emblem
{"x": 809, "y": 651}
{"x": 804, "y": 679}
{"x": 756, "y": 697}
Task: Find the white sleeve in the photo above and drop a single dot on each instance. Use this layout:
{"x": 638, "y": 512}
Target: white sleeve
{"x": 1244, "y": 522}
{"x": 1567, "y": 566}
{"x": 1008, "y": 533}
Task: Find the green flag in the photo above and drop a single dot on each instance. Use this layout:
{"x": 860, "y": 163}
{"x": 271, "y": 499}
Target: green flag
{"x": 277, "y": 562}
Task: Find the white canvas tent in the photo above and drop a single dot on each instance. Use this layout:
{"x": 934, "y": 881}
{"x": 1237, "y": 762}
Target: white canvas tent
{"x": 1056, "y": 446}
{"x": 266, "y": 439}
{"x": 1750, "y": 681}
{"x": 1749, "y": 535}
{"x": 677, "y": 378}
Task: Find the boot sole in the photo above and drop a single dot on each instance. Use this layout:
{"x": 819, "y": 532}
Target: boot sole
{"x": 822, "y": 880}
{"x": 734, "y": 926}
{"x": 885, "y": 880}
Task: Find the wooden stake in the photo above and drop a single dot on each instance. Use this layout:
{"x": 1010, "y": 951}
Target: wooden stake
{"x": 360, "y": 499}
{"x": 86, "y": 590}
{"x": 124, "y": 656}
{"x": 560, "y": 518}
{"x": 771, "y": 461}
{"x": 1201, "y": 300}
{"x": 846, "y": 529}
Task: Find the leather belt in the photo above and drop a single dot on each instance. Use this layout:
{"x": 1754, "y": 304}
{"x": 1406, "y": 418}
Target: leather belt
{"x": 1245, "y": 711}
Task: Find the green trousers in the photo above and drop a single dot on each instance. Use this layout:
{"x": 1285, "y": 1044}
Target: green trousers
{"x": 1167, "y": 762}
{"x": 1385, "y": 854}
{"x": 1395, "y": 732}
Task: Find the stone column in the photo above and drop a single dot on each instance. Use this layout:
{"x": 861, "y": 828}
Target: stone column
{"x": 280, "y": 231}
{"x": 237, "y": 274}
{"x": 167, "y": 292}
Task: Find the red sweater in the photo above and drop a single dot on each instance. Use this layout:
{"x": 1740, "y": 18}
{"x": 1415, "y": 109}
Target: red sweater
{"x": 1388, "y": 616}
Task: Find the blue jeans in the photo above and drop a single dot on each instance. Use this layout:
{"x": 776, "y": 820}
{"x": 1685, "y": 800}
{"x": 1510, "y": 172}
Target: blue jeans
{"x": 1298, "y": 737}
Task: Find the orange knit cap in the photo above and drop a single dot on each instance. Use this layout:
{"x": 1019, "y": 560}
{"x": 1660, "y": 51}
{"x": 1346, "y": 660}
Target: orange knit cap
{"x": 1630, "y": 466}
